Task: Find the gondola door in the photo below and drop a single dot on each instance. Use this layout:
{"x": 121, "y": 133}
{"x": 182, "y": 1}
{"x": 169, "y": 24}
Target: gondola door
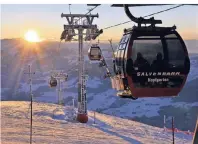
{"x": 120, "y": 63}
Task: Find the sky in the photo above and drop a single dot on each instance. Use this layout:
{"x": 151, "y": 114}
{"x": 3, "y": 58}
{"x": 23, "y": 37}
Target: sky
{"x": 46, "y": 19}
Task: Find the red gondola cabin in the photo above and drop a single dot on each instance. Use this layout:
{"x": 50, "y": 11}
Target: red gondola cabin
{"x": 152, "y": 61}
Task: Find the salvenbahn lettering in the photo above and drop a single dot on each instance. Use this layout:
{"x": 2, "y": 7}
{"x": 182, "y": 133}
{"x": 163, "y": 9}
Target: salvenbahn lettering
{"x": 158, "y": 73}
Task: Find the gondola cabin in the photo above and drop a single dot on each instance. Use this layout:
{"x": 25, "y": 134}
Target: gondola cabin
{"x": 150, "y": 62}
{"x": 94, "y": 53}
{"x": 52, "y": 82}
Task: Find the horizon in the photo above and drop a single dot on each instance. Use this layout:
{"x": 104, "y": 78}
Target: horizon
{"x": 58, "y": 40}
{"x": 191, "y": 44}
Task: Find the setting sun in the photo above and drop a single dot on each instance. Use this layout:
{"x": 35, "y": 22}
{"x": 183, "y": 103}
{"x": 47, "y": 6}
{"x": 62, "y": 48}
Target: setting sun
{"x": 32, "y": 36}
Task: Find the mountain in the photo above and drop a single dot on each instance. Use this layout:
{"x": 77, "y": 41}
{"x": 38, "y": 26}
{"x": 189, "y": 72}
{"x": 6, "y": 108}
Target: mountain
{"x": 56, "y": 124}
{"x": 44, "y": 58}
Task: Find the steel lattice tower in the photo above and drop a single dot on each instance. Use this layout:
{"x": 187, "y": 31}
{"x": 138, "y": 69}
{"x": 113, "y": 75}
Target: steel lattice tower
{"x": 75, "y": 22}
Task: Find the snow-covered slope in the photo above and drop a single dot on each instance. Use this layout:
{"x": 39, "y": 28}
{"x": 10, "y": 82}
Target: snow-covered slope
{"x": 100, "y": 96}
{"x": 54, "y": 124}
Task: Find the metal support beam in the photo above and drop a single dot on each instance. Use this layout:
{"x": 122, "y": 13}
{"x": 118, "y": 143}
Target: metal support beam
{"x": 60, "y": 76}
{"x": 31, "y": 99}
{"x": 70, "y": 21}
{"x": 81, "y": 100}
{"x": 93, "y": 4}
{"x": 78, "y": 15}
{"x": 82, "y": 26}
{"x": 85, "y": 24}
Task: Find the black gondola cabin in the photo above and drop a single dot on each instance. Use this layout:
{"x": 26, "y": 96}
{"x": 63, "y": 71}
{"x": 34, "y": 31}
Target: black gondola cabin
{"x": 152, "y": 61}
{"x": 52, "y": 82}
{"x": 94, "y": 53}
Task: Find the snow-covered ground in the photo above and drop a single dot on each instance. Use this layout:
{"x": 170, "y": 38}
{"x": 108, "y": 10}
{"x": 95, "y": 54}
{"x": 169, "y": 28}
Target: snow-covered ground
{"x": 53, "y": 124}
{"x": 147, "y": 107}
{"x": 193, "y": 74}
{"x": 99, "y": 93}
{"x": 103, "y": 100}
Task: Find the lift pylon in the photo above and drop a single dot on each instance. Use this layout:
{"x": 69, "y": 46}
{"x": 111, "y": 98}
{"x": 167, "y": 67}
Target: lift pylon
{"x": 80, "y": 22}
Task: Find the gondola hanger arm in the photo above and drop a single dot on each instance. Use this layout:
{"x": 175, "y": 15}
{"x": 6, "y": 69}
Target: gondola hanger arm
{"x": 140, "y": 20}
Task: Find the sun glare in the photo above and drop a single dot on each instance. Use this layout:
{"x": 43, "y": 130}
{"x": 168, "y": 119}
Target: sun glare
{"x": 32, "y": 36}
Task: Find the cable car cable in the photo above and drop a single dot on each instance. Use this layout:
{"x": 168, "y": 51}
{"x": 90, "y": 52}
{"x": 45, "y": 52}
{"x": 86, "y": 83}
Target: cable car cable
{"x": 103, "y": 59}
{"x": 145, "y": 16}
{"x": 88, "y": 12}
{"x": 53, "y": 82}
{"x": 108, "y": 74}
{"x": 163, "y": 10}
{"x": 110, "y": 41}
{"x": 57, "y": 52}
{"x": 91, "y": 9}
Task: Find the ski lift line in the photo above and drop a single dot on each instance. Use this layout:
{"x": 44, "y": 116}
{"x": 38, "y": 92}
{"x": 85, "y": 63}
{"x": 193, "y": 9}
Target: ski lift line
{"x": 146, "y": 16}
{"x": 54, "y": 59}
{"x": 91, "y": 9}
{"x": 58, "y": 51}
{"x": 110, "y": 41}
{"x": 88, "y": 12}
{"x": 59, "y": 46}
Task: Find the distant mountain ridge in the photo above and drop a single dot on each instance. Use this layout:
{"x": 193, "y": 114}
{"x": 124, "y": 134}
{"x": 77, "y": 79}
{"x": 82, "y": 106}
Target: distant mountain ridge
{"x": 100, "y": 96}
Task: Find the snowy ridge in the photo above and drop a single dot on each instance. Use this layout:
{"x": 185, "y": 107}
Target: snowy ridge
{"x": 193, "y": 74}
{"x": 55, "y": 124}
{"x": 100, "y": 96}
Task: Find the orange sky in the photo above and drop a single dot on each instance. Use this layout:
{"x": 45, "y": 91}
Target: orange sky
{"x": 46, "y": 20}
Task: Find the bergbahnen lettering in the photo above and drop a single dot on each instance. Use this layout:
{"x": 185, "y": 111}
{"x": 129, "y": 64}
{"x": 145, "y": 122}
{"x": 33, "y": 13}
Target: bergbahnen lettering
{"x": 158, "y": 80}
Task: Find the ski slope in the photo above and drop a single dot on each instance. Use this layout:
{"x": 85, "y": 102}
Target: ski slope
{"x": 53, "y": 124}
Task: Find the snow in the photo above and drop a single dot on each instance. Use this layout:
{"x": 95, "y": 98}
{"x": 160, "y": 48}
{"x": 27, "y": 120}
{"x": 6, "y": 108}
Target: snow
{"x": 186, "y": 105}
{"x": 52, "y": 97}
{"x": 146, "y": 107}
{"x": 100, "y": 100}
{"x": 149, "y": 107}
{"x": 94, "y": 82}
{"x": 193, "y": 74}
{"x": 25, "y": 87}
{"x": 4, "y": 89}
{"x": 56, "y": 124}
{"x": 70, "y": 83}
{"x": 133, "y": 109}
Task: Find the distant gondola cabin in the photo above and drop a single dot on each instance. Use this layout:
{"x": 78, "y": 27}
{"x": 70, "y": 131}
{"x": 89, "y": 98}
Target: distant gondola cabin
{"x": 94, "y": 53}
{"x": 53, "y": 82}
